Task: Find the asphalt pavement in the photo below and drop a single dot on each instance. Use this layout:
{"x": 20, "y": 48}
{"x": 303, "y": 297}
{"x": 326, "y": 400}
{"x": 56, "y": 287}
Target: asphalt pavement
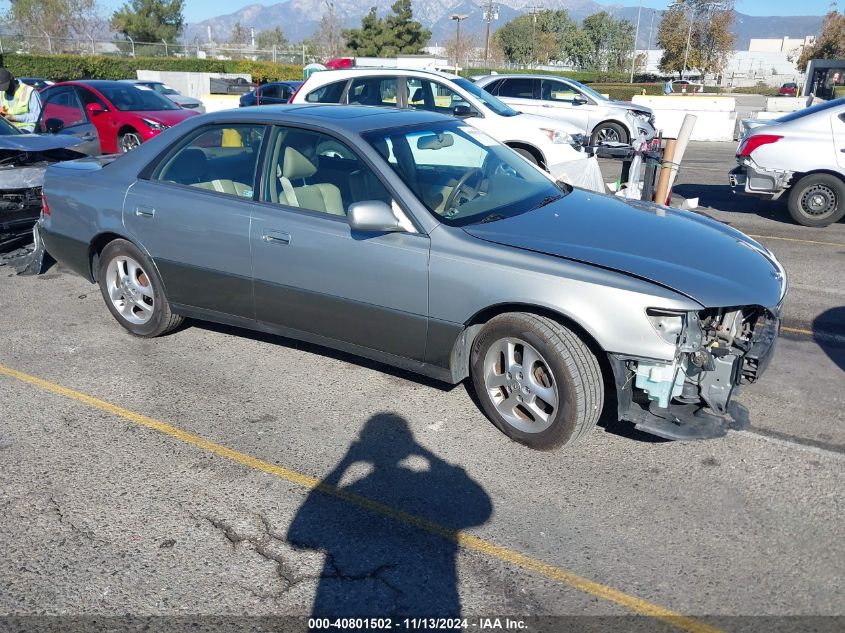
{"x": 216, "y": 471}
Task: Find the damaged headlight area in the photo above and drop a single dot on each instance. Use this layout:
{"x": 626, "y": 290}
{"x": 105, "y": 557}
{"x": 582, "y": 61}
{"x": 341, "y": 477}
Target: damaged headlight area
{"x": 717, "y": 350}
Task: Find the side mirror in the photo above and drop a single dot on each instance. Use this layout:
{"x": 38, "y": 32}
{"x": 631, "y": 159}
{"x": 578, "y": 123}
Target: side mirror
{"x": 53, "y": 126}
{"x": 372, "y": 216}
{"x": 579, "y": 100}
{"x": 462, "y": 111}
{"x": 95, "y": 108}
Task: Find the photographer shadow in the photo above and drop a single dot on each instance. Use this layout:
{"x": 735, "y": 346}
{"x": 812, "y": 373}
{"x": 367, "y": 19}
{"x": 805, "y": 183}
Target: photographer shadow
{"x": 380, "y": 560}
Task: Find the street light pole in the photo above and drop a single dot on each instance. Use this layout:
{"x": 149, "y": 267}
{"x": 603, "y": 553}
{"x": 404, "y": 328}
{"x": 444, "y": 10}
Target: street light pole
{"x": 636, "y": 37}
{"x": 458, "y": 18}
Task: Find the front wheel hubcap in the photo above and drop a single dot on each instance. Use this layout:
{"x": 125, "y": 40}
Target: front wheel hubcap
{"x": 520, "y": 384}
{"x": 129, "y": 141}
{"x": 130, "y": 290}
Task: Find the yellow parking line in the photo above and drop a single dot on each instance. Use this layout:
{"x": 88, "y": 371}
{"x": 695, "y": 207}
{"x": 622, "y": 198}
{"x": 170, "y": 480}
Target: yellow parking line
{"x": 793, "y": 239}
{"x": 468, "y": 541}
{"x": 796, "y": 330}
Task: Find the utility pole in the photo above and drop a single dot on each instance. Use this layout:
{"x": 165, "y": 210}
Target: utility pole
{"x": 489, "y": 18}
{"x": 533, "y": 12}
{"x": 636, "y": 37}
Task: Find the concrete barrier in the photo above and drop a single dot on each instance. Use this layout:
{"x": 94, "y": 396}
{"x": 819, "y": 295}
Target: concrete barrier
{"x": 782, "y": 105}
{"x": 215, "y": 103}
{"x": 716, "y": 115}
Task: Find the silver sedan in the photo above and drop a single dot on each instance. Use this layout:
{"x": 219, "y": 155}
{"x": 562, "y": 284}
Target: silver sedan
{"x": 414, "y": 239}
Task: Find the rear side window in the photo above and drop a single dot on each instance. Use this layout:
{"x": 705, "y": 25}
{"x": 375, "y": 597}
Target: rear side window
{"x": 374, "y": 91}
{"x": 60, "y": 109}
{"x": 521, "y": 88}
{"x": 493, "y": 86}
{"x": 219, "y": 158}
{"x": 330, "y": 93}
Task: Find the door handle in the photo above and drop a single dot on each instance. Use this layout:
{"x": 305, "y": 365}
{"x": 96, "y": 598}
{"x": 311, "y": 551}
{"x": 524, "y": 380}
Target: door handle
{"x": 145, "y": 212}
{"x": 88, "y": 137}
{"x": 276, "y": 237}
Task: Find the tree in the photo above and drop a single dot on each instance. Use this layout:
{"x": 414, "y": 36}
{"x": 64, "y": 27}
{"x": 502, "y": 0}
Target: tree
{"x": 328, "y": 40}
{"x": 466, "y": 49}
{"x": 58, "y": 18}
{"x": 611, "y": 42}
{"x": 831, "y": 42}
{"x": 396, "y": 34}
{"x": 270, "y": 38}
{"x": 542, "y": 37}
{"x": 696, "y": 34}
{"x": 150, "y": 20}
{"x": 240, "y": 36}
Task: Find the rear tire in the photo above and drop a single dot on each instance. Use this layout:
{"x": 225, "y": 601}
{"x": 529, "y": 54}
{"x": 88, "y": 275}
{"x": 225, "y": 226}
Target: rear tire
{"x": 537, "y": 381}
{"x": 817, "y": 200}
{"x": 133, "y": 291}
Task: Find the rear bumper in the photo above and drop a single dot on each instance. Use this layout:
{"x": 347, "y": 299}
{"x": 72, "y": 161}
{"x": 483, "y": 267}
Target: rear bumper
{"x": 74, "y": 254}
{"x": 752, "y": 179}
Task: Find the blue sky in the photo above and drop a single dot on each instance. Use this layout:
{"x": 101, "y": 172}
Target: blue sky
{"x": 196, "y": 10}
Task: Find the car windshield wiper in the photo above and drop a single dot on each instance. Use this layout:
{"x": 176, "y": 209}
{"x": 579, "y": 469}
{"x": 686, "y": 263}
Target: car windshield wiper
{"x": 493, "y": 217}
{"x": 545, "y": 201}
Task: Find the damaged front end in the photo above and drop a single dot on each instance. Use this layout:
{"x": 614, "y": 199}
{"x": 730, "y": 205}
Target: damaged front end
{"x": 691, "y": 397}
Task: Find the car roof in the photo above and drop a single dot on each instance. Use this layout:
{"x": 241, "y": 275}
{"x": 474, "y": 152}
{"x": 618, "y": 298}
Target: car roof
{"x": 347, "y": 118}
{"x": 523, "y": 76}
{"x": 365, "y": 71}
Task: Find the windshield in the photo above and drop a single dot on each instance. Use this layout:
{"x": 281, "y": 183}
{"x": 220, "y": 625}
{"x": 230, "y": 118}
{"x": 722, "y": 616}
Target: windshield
{"x": 811, "y": 110}
{"x": 163, "y": 89}
{"x": 461, "y": 175}
{"x": 131, "y": 98}
{"x": 499, "y": 107}
{"x": 7, "y": 129}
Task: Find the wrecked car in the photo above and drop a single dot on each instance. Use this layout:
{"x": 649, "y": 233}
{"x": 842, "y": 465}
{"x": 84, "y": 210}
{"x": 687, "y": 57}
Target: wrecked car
{"x": 801, "y": 153}
{"x": 413, "y": 239}
{"x": 23, "y": 160}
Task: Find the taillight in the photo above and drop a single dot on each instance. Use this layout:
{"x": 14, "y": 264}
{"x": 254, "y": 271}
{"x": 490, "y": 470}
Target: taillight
{"x": 753, "y": 142}
{"x": 45, "y": 208}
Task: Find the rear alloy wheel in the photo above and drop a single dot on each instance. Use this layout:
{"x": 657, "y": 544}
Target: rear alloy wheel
{"x": 133, "y": 291}
{"x": 536, "y": 380}
{"x": 817, "y": 200}
{"x": 609, "y": 133}
{"x": 128, "y": 141}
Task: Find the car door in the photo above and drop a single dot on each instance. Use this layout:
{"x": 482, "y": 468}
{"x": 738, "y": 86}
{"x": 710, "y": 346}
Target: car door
{"x": 312, "y": 273}
{"x": 520, "y": 93}
{"x": 63, "y": 113}
{"x": 562, "y": 100}
{"x": 191, "y": 212}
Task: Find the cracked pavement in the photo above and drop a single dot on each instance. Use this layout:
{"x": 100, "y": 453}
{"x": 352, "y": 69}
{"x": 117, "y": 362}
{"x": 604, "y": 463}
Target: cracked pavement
{"x": 101, "y": 516}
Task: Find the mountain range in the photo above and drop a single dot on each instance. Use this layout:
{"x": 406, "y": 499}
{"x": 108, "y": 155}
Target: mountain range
{"x": 300, "y": 18}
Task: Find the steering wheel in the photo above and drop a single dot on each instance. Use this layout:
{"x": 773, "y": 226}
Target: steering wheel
{"x": 461, "y": 186}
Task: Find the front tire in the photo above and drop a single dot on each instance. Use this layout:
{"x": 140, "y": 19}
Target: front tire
{"x": 609, "y": 133}
{"x": 817, "y": 200}
{"x": 133, "y": 291}
{"x": 527, "y": 155}
{"x": 128, "y": 140}
{"x": 537, "y": 381}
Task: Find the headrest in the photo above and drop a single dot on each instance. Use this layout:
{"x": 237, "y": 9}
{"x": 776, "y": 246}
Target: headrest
{"x": 296, "y": 165}
{"x": 189, "y": 165}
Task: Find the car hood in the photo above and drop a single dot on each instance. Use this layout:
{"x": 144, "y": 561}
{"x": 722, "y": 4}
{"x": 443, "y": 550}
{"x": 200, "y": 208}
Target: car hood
{"x": 627, "y": 105}
{"x": 37, "y": 142}
{"x": 536, "y": 121}
{"x": 707, "y": 261}
{"x": 167, "y": 117}
{"x": 180, "y": 99}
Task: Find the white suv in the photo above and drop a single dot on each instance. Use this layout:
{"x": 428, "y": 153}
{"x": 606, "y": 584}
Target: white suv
{"x": 541, "y": 140}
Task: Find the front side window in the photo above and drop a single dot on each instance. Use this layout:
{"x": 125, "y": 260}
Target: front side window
{"x": 373, "y": 91}
{"x": 330, "y": 93}
{"x": 316, "y": 172}
{"x": 89, "y": 97}
{"x": 270, "y": 91}
{"x": 462, "y": 175}
{"x": 558, "y": 91}
{"x": 221, "y": 158}
{"x": 60, "y": 109}
{"x": 433, "y": 96}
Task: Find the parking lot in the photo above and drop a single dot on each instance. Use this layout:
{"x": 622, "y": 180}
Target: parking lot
{"x": 216, "y": 471}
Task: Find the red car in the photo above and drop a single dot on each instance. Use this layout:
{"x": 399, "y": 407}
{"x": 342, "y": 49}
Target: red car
{"x": 109, "y": 116}
{"x": 788, "y": 90}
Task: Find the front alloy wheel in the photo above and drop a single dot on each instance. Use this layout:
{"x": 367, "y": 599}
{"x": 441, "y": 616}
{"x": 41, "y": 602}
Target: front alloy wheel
{"x": 129, "y": 141}
{"x": 536, "y": 380}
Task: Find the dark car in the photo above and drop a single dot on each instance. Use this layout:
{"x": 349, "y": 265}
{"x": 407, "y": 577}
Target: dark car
{"x": 109, "y": 116}
{"x": 273, "y": 93}
{"x": 788, "y": 90}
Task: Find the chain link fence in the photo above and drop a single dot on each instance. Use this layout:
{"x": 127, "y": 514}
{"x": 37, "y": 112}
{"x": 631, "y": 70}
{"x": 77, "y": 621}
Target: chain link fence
{"x": 44, "y": 43}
